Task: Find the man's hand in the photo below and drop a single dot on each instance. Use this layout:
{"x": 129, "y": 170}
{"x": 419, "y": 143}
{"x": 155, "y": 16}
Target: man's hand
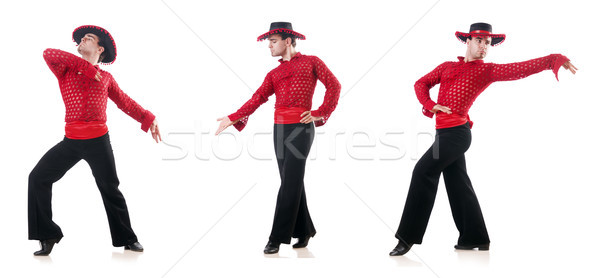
{"x": 307, "y": 118}
{"x": 97, "y": 76}
{"x": 155, "y": 131}
{"x": 569, "y": 66}
{"x": 438, "y": 107}
{"x": 225, "y": 122}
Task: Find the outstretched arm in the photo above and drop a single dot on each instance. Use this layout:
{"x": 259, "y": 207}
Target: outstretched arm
{"x": 132, "y": 108}
{"x": 240, "y": 117}
{"x": 514, "y": 71}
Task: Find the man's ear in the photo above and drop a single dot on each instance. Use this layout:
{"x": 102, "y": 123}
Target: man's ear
{"x": 100, "y": 49}
{"x": 288, "y": 41}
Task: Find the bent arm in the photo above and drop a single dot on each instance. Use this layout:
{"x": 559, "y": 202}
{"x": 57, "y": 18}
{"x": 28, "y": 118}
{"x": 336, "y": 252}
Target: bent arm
{"x": 60, "y": 62}
{"x": 332, "y": 93}
{"x": 424, "y": 84}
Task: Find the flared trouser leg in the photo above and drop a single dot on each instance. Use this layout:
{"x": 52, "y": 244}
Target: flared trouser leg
{"x": 446, "y": 155}
{"x": 292, "y": 218}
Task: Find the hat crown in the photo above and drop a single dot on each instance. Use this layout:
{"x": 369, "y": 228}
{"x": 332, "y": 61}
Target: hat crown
{"x": 281, "y": 25}
{"x": 280, "y": 28}
{"x": 480, "y": 26}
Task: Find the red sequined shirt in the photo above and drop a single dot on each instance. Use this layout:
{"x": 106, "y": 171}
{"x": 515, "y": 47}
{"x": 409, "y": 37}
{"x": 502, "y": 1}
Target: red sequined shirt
{"x": 293, "y": 83}
{"x": 461, "y": 83}
{"x": 85, "y": 98}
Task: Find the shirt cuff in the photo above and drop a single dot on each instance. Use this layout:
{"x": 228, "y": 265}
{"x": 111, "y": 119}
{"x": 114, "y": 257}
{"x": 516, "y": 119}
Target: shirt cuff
{"x": 147, "y": 121}
{"x": 560, "y": 60}
{"x": 316, "y": 113}
{"x": 240, "y": 124}
{"x": 429, "y": 104}
{"x": 427, "y": 113}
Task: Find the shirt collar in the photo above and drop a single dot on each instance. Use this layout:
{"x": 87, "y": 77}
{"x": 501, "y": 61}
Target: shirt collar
{"x": 462, "y": 59}
{"x": 298, "y": 55}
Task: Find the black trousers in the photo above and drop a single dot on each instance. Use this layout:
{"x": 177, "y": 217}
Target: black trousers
{"x": 446, "y": 156}
{"x": 98, "y": 153}
{"x": 292, "y": 145}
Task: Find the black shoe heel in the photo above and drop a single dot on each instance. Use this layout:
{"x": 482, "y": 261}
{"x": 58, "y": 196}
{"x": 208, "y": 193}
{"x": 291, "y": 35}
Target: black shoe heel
{"x": 484, "y": 247}
{"x": 302, "y": 242}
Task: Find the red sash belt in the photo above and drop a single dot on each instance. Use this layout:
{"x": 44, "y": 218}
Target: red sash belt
{"x": 85, "y": 130}
{"x": 289, "y": 115}
{"x": 443, "y": 120}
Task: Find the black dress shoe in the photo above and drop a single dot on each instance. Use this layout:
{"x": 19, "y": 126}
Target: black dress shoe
{"x": 46, "y": 245}
{"x": 302, "y": 242}
{"x": 480, "y": 247}
{"x": 400, "y": 249}
{"x": 135, "y": 247}
{"x": 271, "y": 248}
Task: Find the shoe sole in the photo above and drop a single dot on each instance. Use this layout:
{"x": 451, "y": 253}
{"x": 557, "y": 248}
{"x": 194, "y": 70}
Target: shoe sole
{"x": 136, "y": 250}
{"x": 472, "y": 247}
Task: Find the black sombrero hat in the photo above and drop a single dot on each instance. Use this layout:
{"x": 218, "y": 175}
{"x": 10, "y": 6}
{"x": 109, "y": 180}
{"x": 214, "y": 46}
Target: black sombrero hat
{"x": 281, "y": 27}
{"x": 481, "y": 30}
{"x": 107, "y": 41}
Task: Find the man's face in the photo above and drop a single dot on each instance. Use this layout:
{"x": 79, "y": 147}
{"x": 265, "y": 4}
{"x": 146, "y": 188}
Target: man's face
{"x": 277, "y": 45}
{"x": 89, "y": 44}
{"x": 477, "y": 47}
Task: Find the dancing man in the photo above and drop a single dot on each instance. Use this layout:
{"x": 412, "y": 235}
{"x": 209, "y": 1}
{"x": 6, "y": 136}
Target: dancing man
{"x": 460, "y": 84}
{"x": 293, "y": 83}
{"x": 85, "y": 88}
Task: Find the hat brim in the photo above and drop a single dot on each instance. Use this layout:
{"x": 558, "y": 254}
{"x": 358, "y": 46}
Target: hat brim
{"x": 110, "y": 47}
{"x": 497, "y": 39}
{"x": 279, "y": 31}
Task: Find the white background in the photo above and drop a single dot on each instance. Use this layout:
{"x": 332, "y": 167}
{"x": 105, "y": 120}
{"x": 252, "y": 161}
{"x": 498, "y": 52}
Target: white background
{"x": 533, "y": 160}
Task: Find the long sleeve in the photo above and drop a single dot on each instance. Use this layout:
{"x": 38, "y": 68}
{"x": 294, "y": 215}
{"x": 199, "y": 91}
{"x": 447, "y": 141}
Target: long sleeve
{"x": 424, "y": 84}
{"x": 332, "y": 93}
{"x": 129, "y": 106}
{"x": 514, "y": 71}
{"x": 258, "y": 98}
{"x": 60, "y": 61}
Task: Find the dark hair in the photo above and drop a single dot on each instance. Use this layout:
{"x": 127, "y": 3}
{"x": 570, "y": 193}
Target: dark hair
{"x": 286, "y": 35}
{"x": 103, "y": 54}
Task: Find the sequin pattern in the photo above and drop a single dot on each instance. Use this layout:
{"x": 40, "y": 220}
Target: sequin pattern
{"x": 462, "y": 82}
{"x": 85, "y": 98}
{"x": 293, "y": 83}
